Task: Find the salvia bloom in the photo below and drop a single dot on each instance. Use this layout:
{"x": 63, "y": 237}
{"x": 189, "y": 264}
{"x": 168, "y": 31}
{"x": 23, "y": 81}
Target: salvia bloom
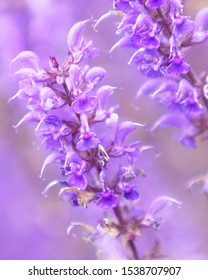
{"x": 160, "y": 33}
{"x": 69, "y": 107}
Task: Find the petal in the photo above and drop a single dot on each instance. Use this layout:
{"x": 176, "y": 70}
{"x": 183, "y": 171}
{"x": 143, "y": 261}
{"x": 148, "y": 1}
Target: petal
{"x": 66, "y": 194}
{"x": 109, "y": 202}
{"x": 183, "y": 26}
{"x": 25, "y": 73}
{"x": 51, "y": 159}
{"x": 27, "y": 59}
{"x": 170, "y": 119}
{"x": 149, "y": 87}
{"x": 85, "y": 227}
{"x": 154, "y": 4}
{"x": 102, "y": 95}
{"x": 75, "y": 75}
{"x": 50, "y": 143}
{"x": 84, "y": 104}
{"x": 53, "y": 120}
{"x": 112, "y": 120}
{"x": 178, "y": 67}
{"x": 132, "y": 195}
{"x": 77, "y": 181}
{"x": 29, "y": 117}
{"x": 95, "y": 74}
{"x": 28, "y": 86}
{"x": 123, "y": 130}
{"x": 53, "y": 184}
{"x": 150, "y": 42}
{"x": 20, "y": 94}
{"x": 124, "y": 42}
{"x": 103, "y": 17}
{"x": 161, "y": 203}
{"x": 186, "y": 140}
{"x": 87, "y": 144}
{"x": 74, "y": 38}
{"x": 201, "y": 19}
{"x": 121, "y": 5}
{"x": 72, "y": 157}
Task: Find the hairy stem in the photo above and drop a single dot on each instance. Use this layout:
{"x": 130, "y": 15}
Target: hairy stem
{"x": 165, "y": 22}
{"x": 194, "y": 80}
{"x": 130, "y": 243}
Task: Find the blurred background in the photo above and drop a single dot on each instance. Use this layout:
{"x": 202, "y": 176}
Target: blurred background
{"x": 33, "y": 226}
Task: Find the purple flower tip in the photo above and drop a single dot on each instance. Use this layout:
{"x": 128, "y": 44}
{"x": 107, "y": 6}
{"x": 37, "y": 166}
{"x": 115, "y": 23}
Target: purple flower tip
{"x": 154, "y": 4}
{"x": 130, "y": 193}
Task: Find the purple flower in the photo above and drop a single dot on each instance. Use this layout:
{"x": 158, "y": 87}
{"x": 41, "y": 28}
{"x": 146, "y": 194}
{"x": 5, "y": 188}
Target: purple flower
{"x": 68, "y": 194}
{"x": 183, "y": 26}
{"x": 150, "y": 62}
{"x": 84, "y": 104}
{"x": 143, "y": 24}
{"x": 129, "y": 192}
{"x": 87, "y": 138}
{"x": 107, "y": 199}
{"x": 29, "y": 67}
{"x": 121, "y": 133}
{"x": 74, "y": 200}
{"x": 49, "y": 99}
{"x": 53, "y": 130}
{"x": 188, "y": 130}
{"x": 74, "y": 168}
{"x": 178, "y": 66}
{"x": 150, "y": 41}
{"x": 75, "y": 178}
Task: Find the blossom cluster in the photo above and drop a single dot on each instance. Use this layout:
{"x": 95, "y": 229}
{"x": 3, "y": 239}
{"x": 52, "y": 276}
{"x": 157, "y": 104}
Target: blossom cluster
{"x": 160, "y": 34}
{"x": 69, "y": 107}
{"x": 67, "y": 103}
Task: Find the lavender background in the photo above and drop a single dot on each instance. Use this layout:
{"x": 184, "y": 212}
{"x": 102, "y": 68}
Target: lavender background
{"x": 34, "y": 227}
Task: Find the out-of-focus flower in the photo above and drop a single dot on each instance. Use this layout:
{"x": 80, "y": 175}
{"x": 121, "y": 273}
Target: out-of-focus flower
{"x": 160, "y": 39}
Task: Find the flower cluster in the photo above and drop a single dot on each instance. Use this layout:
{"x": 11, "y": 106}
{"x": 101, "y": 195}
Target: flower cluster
{"x": 66, "y": 102}
{"x": 70, "y": 111}
{"x": 160, "y": 33}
